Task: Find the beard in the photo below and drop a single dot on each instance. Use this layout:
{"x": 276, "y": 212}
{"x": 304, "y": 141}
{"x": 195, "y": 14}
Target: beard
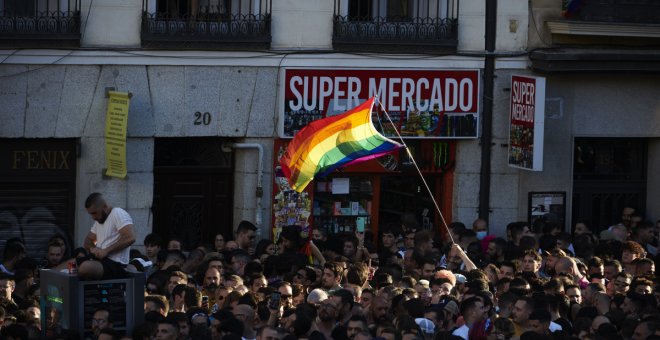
{"x": 104, "y": 216}
{"x": 211, "y": 287}
{"x": 550, "y": 271}
{"x": 382, "y": 318}
{"x": 325, "y": 316}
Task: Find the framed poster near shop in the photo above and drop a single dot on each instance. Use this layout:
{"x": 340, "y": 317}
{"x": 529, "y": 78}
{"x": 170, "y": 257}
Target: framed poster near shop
{"x": 548, "y": 206}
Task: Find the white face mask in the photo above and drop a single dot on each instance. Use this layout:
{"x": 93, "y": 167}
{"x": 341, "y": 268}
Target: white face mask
{"x": 481, "y": 235}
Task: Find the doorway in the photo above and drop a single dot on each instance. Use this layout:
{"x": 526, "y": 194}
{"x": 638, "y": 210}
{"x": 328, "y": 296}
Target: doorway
{"x": 405, "y": 199}
{"x": 193, "y": 190}
{"x": 608, "y": 174}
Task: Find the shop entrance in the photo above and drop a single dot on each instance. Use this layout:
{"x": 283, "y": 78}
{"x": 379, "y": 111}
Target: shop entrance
{"x": 342, "y": 202}
{"x": 388, "y": 190}
{"x": 37, "y": 192}
{"x": 193, "y": 190}
{"x": 405, "y": 199}
{"x": 608, "y": 174}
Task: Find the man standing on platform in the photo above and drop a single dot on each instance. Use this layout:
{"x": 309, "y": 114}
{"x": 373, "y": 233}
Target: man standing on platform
{"x": 108, "y": 241}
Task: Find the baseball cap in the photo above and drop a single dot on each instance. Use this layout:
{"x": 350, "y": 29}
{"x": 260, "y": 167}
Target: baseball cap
{"x": 316, "y": 296}
{"x": 213, "y": 254}
{"x": 606, "y": 235}
{"x": 451, "y": 306}
{"x": 460, "y": 278}
{"x": 426, "y": 325}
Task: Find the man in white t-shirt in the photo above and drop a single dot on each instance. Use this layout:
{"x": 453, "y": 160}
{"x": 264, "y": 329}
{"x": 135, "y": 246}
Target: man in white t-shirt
{"x": 108, "y": 241}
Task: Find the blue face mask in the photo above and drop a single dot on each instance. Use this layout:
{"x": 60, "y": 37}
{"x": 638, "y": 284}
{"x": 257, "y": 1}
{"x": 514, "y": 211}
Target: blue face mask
{"x": 481, "y": 235}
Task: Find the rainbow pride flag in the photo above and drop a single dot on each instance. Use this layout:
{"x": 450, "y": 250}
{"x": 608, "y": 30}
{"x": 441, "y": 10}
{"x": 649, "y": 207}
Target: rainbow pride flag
{"x": 329, "y": 143}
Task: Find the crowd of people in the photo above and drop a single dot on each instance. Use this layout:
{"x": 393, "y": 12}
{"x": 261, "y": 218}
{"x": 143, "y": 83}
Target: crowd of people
{"x": 536, "y": 282}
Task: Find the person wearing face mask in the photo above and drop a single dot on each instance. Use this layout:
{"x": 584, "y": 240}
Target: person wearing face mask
{"x": 107, "y": 242}
{"x": 480, "y": 227}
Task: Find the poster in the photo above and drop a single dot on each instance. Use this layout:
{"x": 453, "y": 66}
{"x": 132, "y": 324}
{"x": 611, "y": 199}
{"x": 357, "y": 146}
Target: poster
{"x": 547, "y": 206}
{"x": 420, "y": 103}
{"x": 289, "y": 206}
{"x": 526, "y": 122}
{"x": 116, "y": 121}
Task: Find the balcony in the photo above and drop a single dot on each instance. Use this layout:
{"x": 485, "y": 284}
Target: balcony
{"x": 603, "y": 36}
{"x": 608, "y": 22}
{"x": 39, "y": 23}
{"x": 214, "y": 24}
{"x": 621, "y": 11}
{"x": 396, "y": 26}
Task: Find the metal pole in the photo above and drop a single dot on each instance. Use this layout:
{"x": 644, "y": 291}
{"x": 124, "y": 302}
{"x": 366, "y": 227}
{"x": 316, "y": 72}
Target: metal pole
{"x": 487, "y": 119}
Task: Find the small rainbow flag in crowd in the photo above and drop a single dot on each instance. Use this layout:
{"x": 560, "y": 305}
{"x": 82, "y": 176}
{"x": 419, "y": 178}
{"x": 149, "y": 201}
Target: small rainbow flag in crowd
{"x": 329, "y": 143}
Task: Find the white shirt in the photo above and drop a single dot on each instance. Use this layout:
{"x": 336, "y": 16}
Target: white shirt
{"x": 107, "y": 233}
{"x": 554, "y": 327}
{"x": 462, "y": 331}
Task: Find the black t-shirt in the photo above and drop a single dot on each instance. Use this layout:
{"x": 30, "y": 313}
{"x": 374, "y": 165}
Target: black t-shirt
{"x": 565, "y": 325}
{"x": 339, "y": 333}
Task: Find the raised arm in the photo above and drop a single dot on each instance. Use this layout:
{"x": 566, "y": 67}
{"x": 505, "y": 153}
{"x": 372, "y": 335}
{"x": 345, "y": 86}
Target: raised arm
{"x": 469, "y": 265}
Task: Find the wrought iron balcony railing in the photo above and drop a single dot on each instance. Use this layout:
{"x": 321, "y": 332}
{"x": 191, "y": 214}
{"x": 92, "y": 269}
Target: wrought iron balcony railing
{"x": 396, "y": 25}
{"x": 186, "y": 24}
{"x": 608, "y": 23}
{"x": 39, "y": 23}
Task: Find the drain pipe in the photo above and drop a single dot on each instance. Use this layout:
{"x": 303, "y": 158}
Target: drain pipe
{"x": 258, "y": 218}
{"x": 487, "y": 119}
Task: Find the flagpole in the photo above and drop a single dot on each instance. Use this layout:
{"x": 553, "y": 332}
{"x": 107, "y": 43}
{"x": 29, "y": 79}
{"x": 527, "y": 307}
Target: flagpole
{"x": 437, "y": 207}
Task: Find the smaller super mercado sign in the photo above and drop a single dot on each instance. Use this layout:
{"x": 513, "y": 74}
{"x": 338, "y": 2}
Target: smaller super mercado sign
{"x": 420, "y": 103}
{"x": 526, "y": 120}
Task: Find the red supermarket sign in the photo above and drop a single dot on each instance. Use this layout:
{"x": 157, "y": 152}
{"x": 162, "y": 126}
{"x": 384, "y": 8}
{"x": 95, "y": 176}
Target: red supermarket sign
{"x": 421, "y": 103}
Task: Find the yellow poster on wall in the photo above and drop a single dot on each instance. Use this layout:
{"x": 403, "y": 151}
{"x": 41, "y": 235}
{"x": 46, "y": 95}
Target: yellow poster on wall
{"x": 116, "y": 121}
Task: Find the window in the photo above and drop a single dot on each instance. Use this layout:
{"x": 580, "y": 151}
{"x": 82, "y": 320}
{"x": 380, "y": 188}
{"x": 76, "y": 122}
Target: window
{"x": 17, "y": 8}
{"x": 394, "y": 10}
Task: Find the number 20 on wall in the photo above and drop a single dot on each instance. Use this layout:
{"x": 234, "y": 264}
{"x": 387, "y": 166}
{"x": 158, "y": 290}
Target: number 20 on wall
{"x": 202, "y": 118}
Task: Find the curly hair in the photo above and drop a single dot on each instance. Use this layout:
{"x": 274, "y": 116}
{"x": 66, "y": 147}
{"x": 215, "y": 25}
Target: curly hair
{"x": 633, "y": 247}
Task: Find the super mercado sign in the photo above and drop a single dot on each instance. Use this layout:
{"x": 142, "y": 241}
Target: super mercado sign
{"x": 421, "y": 103}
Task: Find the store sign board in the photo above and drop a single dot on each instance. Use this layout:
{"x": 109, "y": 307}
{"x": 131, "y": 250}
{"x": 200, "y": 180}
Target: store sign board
{"x": 421, "y": 103}
{"x": 526, "y": 121}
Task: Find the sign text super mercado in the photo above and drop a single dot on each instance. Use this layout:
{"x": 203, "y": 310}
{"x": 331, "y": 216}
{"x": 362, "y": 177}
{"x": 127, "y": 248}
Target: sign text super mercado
{"x": 527, "y": 122}
{"x": 421, "y": 103}
{"x": 116, "y": 121}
